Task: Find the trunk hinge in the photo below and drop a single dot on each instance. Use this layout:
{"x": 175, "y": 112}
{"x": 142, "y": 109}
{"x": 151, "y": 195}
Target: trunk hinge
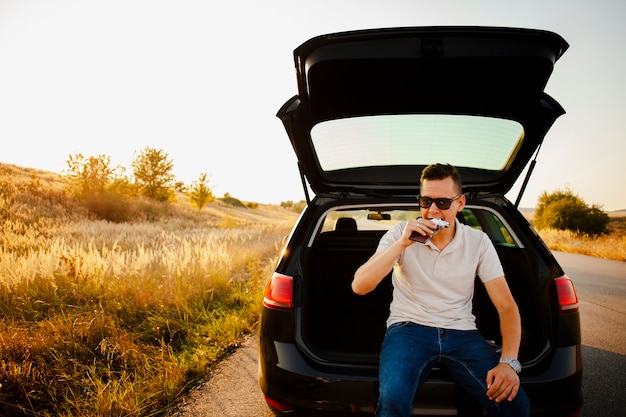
{"x": 531, "y": 167}
{"x": 473, "y": 195}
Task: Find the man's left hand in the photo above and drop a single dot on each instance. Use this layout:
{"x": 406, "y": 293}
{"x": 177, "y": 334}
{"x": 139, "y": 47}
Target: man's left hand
{"x": 502, "y": 383}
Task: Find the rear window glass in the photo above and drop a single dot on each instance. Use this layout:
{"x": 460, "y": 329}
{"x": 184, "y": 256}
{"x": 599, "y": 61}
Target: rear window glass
{"x": 490, "y": 223}
{"x": 366, "y": 219}
{"x": 416, "y": 139}
{"x": 372, "y": 219}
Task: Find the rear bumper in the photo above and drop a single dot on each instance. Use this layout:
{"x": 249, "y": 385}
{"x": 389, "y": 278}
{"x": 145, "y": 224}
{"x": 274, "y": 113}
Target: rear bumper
{"x": 288, "y": 379}
{"x": 557, "y": 390}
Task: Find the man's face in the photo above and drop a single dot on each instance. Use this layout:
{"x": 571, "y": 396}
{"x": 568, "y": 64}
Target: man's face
{"x": 445, "y": 189}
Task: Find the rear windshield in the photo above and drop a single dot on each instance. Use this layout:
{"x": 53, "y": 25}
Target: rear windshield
{"x": 416, "y": 139}
{"x": 479, "y": 218}
{"x": 366, "y": 219}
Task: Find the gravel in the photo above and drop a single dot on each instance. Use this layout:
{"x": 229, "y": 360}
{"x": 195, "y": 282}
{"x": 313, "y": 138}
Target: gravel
{"x": 232, "y": 389}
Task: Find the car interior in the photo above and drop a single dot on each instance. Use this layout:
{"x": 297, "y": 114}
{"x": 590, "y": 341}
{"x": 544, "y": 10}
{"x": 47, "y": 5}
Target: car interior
{"x": 339, "y": 325}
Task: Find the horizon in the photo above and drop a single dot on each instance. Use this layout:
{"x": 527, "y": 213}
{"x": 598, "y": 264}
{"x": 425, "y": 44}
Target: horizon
{"x": 522, "y": 209}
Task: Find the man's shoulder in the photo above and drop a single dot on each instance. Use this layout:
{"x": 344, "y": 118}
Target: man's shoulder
{"x": 397, "y": 228}
{"x": 469, "y": 229}
{"x": 391, "y": 235}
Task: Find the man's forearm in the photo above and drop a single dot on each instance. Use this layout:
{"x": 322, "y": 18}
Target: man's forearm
{"x": 510, "y": 327}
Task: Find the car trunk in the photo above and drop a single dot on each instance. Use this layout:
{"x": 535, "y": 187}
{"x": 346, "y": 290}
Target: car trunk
{"x": 342, "y": 327}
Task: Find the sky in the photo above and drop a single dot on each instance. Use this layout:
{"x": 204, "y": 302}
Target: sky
{"x": 203, "y": 80}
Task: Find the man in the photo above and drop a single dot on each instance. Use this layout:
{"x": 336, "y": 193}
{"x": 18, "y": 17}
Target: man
{"x": 431, "y": 316}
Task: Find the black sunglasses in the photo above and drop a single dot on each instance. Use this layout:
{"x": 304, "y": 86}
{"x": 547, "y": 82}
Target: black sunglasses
{"x": 442, "y": 203}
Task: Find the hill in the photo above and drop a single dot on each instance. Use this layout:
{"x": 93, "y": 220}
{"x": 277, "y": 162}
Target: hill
{"x": 33, "y": 195}
{"x": 103, "y": 318}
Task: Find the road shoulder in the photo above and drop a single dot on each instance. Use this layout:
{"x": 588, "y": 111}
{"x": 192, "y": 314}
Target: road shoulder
{"x": 232, "y": 389}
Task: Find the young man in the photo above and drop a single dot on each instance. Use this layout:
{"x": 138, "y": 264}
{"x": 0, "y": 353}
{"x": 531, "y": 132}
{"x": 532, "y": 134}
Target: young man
{"x": 431, "y": 316}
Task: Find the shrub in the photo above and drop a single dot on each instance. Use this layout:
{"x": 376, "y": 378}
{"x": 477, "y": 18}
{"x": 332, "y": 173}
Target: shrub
{"x": 200, "y": 193}
{"x": 112, "y": 207}
{"x": 297, "y": 207}
{"x": 230, "y": 200}
{"x": 564, "y": 210}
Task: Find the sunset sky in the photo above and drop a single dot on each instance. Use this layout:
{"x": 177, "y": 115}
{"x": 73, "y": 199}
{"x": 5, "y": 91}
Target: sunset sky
{"x": 203, "y": 80}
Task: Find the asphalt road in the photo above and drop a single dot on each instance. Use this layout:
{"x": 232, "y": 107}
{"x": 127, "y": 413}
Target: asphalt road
{"x": 601, "y": 288}
{"x": 232, "y": 390}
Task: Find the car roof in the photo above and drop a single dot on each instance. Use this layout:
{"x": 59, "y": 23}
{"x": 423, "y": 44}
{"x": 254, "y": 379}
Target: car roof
{"x": 375, "y": 106}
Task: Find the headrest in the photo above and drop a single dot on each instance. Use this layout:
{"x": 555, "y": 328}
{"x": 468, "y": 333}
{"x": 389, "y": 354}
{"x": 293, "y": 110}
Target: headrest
{"x": 345, "y": 223}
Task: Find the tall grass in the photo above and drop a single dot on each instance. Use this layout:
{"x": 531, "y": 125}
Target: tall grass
{"x": 610, "y": 246}
{"x": 105, "y": 319}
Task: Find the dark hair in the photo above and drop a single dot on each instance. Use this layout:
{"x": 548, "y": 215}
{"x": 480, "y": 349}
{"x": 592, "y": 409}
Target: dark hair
{"x": 441, "y": 172}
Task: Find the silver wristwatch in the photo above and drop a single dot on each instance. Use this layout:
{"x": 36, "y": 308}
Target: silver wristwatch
{"x": 513, "y": 363}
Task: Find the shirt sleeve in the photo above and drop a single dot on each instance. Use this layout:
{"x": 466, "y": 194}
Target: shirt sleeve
{"x": 390, "y": 237}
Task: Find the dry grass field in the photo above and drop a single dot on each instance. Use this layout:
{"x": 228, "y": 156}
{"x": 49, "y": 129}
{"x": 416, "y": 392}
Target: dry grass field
{"x": 121, "y": 319}
{"x": 608, "y": 246}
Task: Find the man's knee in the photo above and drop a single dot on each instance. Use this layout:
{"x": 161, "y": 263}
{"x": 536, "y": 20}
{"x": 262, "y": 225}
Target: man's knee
{"x": 519, "y": 407}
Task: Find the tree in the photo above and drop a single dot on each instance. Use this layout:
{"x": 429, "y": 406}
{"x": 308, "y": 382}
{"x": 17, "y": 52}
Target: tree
{"x": 200, "y": 193}
{"x": 89, "y": 176}
{"x": 564, "y": 210}
{"x": 153, "y": 174}
{"x": 122, "y": 184}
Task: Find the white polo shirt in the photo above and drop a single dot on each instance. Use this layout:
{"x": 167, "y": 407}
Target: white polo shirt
{"x": 435, "y": 288}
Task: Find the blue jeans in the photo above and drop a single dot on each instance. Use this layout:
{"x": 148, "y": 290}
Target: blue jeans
{"x": 408, "y": 354}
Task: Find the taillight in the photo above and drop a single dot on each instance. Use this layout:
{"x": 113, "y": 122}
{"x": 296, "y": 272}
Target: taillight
{"x": 568, "y": 300}
{"x": 279, "y": 292}
{"x": 277, "y": 405}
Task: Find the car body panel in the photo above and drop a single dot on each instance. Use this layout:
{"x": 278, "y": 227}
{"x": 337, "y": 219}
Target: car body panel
{"x": 350, "y": 394}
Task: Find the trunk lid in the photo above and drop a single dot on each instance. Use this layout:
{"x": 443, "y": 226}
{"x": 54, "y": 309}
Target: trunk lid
{"x": 376, "y": 106}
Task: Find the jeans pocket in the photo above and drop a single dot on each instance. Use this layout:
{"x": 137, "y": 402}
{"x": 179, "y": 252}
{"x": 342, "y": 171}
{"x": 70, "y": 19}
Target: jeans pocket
{"x": 398, "y": 325}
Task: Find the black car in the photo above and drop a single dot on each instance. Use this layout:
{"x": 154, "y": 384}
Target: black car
{"x": 373, "y": 108}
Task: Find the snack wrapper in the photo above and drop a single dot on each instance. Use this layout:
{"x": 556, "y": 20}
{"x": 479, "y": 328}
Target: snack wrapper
{"x": 441, "y": 224}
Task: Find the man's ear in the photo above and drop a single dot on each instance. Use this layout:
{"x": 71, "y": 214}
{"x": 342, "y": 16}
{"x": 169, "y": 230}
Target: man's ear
{"x": 461, "y": 203}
